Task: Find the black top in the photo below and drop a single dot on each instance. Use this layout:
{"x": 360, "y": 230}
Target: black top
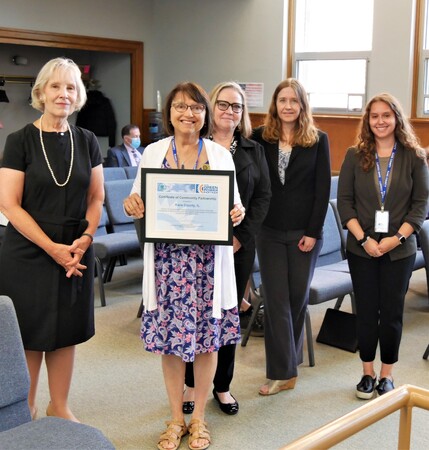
{"x": 53, "y": 311}
{"x": 254, "y": 186}
{"x": 301, "y": 203}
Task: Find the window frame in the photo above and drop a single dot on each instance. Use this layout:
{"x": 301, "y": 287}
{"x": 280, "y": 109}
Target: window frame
{"x": 421, "y": 62}
{"x": 295, "y": 57}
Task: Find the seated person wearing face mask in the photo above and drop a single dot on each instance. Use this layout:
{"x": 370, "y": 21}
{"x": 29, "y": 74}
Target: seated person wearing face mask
{"x": 129, "y": 152}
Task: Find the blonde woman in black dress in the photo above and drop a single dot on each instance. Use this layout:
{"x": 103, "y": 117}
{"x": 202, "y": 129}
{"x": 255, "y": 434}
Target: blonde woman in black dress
{"x": 51, "y": 190}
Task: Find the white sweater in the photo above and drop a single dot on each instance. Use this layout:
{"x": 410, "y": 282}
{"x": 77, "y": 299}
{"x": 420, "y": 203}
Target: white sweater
{"x": 225, "y": 291}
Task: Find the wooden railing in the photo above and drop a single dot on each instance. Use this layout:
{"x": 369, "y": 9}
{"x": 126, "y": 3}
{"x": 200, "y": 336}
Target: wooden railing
{"x": 403, "y": 398}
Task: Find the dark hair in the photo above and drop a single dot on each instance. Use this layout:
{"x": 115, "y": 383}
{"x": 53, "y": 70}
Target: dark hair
{"x": 196, "y": 93}
{"x": 404, "y": 132}
{"x": 127, "y": 128}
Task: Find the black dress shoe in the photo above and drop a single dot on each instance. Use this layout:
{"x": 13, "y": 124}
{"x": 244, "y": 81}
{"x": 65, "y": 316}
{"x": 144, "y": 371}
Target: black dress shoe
{"x": 228, "y": 408}
{"x": 188, "y": 407}
{"x": 385, "y": 385}
{"x": 366, "y": 387}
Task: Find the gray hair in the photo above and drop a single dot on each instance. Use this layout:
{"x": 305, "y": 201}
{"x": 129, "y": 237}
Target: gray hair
{"x": 45, "y": 74}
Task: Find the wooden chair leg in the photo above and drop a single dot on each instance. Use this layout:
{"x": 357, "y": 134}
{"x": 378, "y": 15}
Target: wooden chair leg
{"x": 339, "y": 302}
{"x": 99, "y": 272}
{"x": 110, "y": 267}
{"x": 426, "y": 354}
{"x": 257, "y": 302}
{"x": 140, "y": 311}
{"x": 309, "y": 334}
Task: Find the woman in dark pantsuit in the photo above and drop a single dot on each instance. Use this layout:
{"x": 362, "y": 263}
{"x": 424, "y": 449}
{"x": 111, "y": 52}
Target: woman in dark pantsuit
{"x": 382, "y": 200}
{"x": 231, "y": 129}
{"x": 290, "y": 239}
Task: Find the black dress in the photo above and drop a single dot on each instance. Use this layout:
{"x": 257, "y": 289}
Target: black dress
{"x": 53, "y": 311}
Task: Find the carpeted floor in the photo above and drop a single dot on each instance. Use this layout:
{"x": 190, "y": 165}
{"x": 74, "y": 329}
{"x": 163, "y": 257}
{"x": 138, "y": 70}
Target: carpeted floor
{"x": 118, "y": 386}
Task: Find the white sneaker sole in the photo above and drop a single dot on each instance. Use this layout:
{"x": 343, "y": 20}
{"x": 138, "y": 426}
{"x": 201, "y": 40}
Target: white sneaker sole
{"x": 364, "y": 395}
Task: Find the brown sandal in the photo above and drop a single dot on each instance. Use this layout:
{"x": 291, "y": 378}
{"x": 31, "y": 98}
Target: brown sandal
{"x": 173, "y": 434}
{"x": 198, "y": 430}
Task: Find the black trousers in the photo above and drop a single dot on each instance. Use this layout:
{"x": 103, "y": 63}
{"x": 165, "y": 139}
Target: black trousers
{"x": 243, "y": 262}
{"x": 380, "y": 286}
{"x": 286, "y": 274}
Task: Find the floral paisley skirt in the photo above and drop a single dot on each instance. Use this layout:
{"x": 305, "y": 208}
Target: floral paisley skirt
{"x": 183, "y": 324}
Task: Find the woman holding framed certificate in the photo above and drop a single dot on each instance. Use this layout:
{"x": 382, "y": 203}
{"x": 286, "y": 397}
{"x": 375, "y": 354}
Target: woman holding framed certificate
{"x": 189, "y": 292}
{"x": 231, "y": 129}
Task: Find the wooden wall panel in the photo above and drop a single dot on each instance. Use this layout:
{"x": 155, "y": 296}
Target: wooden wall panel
{"x": 343, "y": 130}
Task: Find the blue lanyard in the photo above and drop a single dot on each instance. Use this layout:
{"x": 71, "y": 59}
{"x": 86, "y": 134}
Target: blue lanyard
{"x": 383, "y": 187}
{"x": 176, "y": 160}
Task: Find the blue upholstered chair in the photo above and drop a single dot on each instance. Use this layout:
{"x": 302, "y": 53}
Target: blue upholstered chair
{"x": 17, "y": 430}
{"x": 122, "y": 240}
{"x": 131, "y": 172}
{"x": 331, "y": 279}
{"x": 114, "y": 173}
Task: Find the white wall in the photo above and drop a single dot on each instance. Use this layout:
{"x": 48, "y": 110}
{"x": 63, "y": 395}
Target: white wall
{"x": 116, "y": 19}
{"x": 390, "y": 68}
{"x": 209, "y": 41}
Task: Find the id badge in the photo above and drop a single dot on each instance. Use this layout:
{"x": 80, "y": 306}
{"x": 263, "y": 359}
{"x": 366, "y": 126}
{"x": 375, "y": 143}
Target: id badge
{"x": 381, "y": 221}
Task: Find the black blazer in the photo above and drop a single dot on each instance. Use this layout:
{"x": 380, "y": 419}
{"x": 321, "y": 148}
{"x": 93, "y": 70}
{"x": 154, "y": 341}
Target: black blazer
{"x": 406, "y": 199}
{"x": 254, "y": 186}
{"x": 119, "y": 157}
{"x": 301, "y": 203}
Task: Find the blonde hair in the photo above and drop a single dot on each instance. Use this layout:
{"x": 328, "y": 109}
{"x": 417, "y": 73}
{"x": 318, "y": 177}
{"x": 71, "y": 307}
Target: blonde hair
{"x": 404, "y": 132}
{"x": 45, "y": 74}
{"x": 245, "y": 125}
{"x": 306, "y": 133}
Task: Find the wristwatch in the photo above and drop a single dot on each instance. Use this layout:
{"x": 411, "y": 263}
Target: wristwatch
{"x": 401, "y": 238}
{"x": 363, "y": 240}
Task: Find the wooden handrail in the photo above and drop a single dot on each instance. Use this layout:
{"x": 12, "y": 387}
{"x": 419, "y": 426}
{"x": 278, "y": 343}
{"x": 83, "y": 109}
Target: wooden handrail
{"x": 404, "y": 398}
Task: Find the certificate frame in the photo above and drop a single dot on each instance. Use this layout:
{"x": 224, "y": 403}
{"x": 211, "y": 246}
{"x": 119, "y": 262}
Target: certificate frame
{"x": 187, "y": 206}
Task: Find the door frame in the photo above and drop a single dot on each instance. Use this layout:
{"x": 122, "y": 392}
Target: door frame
{"x": 58, "y": 40}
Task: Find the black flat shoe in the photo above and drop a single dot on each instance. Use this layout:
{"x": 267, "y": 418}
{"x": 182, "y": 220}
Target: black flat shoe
{"x": 228, "y": 408}
{"x": 188, "y": 407}
{"x": 366, "y": 387}
{"x": 385, "y": 385}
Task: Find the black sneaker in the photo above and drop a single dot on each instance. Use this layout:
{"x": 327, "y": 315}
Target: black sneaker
{"x": 366, "y": 388}
{"x": 385, "y": 385}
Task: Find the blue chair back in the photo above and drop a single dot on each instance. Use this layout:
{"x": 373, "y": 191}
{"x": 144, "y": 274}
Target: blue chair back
{"x": 115, "y": 192}
{"x": 14, "y": 379}
{"x": 131, "y": 172}
{"x": 114, "y": 173}
{"x": 332, "y": 246}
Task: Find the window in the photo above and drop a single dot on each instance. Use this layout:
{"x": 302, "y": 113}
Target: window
{"x": 424, "y": 63}
{"x": 333, "y": 42}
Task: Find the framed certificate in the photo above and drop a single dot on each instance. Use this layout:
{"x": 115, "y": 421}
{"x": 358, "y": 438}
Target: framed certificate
{"x": 187, "y": 206}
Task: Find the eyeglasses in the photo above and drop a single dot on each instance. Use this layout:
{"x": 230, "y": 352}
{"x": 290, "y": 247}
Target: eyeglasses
{"x": 182, "y": 107}
{"x": 224, "y": 105}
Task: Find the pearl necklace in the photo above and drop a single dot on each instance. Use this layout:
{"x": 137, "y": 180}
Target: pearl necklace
{"x": 47, "y": 160}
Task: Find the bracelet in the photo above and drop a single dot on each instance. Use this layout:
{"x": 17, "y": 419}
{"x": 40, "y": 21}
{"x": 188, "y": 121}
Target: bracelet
{"x": 89, "y": 235}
